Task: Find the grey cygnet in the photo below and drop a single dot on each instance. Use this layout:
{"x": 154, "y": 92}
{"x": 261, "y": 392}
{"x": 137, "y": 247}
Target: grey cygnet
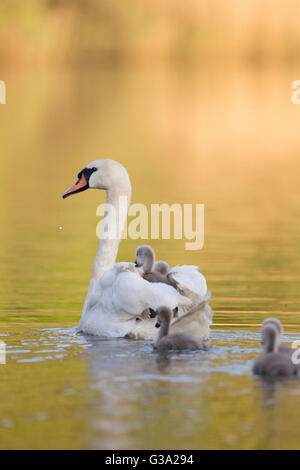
{"x": 176, "y": 341}
{"x": 145, "y": 258}
{"x": 273, "y": 361}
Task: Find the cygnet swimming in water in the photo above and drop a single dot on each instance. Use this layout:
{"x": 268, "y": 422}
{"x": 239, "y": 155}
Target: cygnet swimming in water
{"x": 145, "y": 258}
{"x": 272, "y": 362}
{"x": 175, "y": 341}
{"x": 284, "y": 349}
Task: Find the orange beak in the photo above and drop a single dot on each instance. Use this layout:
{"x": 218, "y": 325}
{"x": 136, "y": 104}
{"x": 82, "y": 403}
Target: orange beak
{"x": 79, "y": 186}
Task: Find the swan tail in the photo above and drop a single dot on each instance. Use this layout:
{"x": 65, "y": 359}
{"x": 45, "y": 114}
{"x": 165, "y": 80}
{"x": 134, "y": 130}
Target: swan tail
{"x": 201, "y": 304}
{"x": 189, "y": 280}
{"x": 196, "y": 321}
{"x": 184, "y": 301}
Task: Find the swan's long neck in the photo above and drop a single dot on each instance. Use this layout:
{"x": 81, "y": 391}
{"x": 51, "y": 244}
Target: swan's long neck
{"x": 116, "y": 209}
{"x": 118, "y": 192}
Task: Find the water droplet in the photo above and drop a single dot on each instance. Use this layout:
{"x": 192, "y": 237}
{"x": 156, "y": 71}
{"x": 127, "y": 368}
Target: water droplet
{"x": 69, "y": 391}
{"x": 41, "y": 416}
{"x": 7, "y": 423}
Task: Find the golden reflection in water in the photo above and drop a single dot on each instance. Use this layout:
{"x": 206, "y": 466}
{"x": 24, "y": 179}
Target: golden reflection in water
{"x": 60, "y": 390}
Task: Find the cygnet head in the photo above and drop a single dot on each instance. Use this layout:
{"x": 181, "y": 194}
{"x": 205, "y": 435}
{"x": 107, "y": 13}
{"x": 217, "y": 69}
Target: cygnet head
{"x": 101, "y": 174}
{"x": 164, "y": 316}
{"x": 145, "y": 257}
{"x": 272, "y": 321}
{"x": 162, "y": 267}
{"x": 270, "y": 338}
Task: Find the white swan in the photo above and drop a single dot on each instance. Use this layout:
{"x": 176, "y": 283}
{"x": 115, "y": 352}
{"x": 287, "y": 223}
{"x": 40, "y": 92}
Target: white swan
{"x": 118, "y": 298}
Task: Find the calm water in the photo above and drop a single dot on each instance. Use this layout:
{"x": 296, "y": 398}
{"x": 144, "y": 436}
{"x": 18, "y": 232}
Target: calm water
{"x": 61, "y": 389}
{"x": 225, "y": 138}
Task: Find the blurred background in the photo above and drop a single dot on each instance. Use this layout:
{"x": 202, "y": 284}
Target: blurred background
{"x": 194, "y": 98}
{"x": 96, "y": 31}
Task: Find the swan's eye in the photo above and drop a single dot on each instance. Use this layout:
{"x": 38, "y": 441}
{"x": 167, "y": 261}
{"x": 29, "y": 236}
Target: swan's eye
{"x": 94, "y": 168}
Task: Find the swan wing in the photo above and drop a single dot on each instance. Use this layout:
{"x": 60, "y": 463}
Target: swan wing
{"x": 196, "y": 321}
{"x": 106, "y": 282}
{"x": 189, "y": 279}
{"x": 133, "y": 294}
{"x": 121, "y": 296}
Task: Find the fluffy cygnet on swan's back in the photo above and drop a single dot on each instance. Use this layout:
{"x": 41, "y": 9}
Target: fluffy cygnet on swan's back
{"x": 161, "y": 267}
{"x": 145, "y": 258}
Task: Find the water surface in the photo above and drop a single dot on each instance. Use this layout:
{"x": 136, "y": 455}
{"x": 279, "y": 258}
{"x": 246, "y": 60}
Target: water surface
{"x": 62, "y": 389}
{"x": 209, "y": 135}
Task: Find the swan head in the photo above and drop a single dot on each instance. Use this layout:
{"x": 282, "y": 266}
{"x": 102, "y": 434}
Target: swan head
{"x": 162, "y": 267}
{"x": 276, "y": 323}
{"x": 145, "y": 257}
{"x": 164, "y": 316}
{"x": 101, "y": 174}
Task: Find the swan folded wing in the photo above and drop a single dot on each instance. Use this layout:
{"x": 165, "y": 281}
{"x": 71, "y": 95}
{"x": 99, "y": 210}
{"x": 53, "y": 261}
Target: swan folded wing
{"x": 196, "y": 321}
{"x": 97, "y": 290}
{"x": 107, "y": 281}
{"x": 133, "y": 295}
{"x": 190, "y": 280}
{"x": 105, "y": 315}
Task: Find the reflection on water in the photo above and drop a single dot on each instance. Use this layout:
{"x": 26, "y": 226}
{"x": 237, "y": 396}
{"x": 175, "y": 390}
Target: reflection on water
{"x": 118, "y": 393}
{"x": 212, "y": 135}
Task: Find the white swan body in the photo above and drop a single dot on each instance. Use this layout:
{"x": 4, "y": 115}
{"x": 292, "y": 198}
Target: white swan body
{"x": 118, "y": 296}
{"x": 117, "y": 303}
